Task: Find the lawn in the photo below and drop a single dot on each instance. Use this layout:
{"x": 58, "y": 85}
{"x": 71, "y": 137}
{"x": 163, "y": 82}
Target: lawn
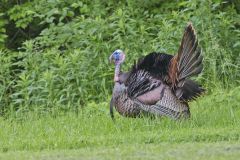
{"x": 180, "y": 151}
{"x": 212, "y": 132}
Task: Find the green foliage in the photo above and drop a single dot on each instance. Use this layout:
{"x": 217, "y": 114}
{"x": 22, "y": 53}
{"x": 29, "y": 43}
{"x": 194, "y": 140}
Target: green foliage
{"x": 51, "y": 78}
{"x": 3, "y": 35}
{"x": 21, "y": 15}
{"x": 63, "y": 46}
{"x": 7, "y": 77}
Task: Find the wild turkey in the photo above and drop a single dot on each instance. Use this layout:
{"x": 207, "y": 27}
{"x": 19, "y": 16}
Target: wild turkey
{"x": 159, "y": 83}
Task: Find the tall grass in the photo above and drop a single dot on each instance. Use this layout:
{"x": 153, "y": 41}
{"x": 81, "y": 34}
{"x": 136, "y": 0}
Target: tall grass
{"x": 214, "y": 119}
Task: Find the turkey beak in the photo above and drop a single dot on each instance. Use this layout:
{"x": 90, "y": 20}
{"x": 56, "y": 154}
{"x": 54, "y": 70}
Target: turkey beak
{"x": 111, "y": 59}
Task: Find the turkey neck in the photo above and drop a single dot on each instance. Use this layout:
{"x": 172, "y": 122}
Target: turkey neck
{"x": 117, "y": 72}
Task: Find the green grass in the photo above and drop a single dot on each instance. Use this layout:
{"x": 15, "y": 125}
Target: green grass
{"x": 213, "y": 131}
{"x": 182, "y": 151}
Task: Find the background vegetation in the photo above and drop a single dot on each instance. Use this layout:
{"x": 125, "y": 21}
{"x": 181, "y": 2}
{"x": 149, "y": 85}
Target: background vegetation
{"x": 55, "y": 52}
{"x": 54, "y": 59}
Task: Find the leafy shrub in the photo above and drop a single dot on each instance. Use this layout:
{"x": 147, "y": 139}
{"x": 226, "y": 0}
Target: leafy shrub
{"x": 64, "y": 60}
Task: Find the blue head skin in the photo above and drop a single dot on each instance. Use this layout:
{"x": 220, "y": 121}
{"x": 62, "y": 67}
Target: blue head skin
{"x": 117, "y": 57}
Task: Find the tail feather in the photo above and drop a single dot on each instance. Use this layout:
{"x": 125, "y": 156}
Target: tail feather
{"x": 186, "y": 64}
{"x": 189, "y": 91}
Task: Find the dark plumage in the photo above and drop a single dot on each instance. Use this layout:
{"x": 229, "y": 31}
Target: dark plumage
{"x": 159, "y": 83}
